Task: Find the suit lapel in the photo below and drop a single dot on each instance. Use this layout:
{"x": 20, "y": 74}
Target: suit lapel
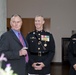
{"x": 25, "y": 40}
{"x": 14, "y": 36}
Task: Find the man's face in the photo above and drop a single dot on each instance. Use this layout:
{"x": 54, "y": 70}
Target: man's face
{"x": 39, "y": 22}
{"x": 16, "y": 23}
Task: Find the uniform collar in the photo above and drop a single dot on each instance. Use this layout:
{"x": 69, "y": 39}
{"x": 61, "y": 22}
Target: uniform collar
{"x": 39, "y": 31}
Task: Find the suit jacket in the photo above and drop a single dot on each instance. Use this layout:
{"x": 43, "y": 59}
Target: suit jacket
{"x": 72, "y": 54}
{"x": 10, "y": 46}
{"x": 46, "y": 49}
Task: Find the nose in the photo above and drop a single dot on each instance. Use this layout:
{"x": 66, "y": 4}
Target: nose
{"x": 16, "y": 23}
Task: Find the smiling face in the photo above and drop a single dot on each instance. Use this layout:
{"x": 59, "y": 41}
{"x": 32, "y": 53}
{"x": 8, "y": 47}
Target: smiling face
{"x": 39, "y": 21}
{"x": 16, "y": 23}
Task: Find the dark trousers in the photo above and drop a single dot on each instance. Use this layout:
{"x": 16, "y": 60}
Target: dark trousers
{"x": 26, "y": 69}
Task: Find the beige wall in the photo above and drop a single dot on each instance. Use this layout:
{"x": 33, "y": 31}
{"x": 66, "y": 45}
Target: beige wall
{"x": 61, "y": 12}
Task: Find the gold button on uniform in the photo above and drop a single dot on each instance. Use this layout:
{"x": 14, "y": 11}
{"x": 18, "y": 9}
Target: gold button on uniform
{"x": 32, "y": 41}
{"x": 45, "y": 44}
{"x": 38, "y": 48}
{"x": 39, "y": 34}
{"x": 38, "y": 38}
{"x": 39, "y": 43}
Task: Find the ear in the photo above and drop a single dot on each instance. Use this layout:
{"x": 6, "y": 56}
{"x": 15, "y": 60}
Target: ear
{"x": 21, "y": 22}
{"x": 43, "y": 21}
{"x": 10, "y": 23}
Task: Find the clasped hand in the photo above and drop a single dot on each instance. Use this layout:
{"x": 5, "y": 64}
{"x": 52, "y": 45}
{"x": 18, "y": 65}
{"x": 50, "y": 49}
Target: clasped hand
{"x": 38, "y": 67}
{"x": 74, "y": 66}
{"x": 23, "y": 51}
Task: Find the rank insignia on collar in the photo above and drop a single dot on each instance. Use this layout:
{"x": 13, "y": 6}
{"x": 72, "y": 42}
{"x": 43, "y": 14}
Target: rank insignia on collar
{"x": 33, "y": 32}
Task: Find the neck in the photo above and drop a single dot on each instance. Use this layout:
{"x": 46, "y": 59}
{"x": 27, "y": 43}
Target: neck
{"x": 39, "y": 29}
{"x": 15, "y": 30}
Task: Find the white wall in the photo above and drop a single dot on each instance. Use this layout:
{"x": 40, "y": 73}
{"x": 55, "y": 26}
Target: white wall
{"x": 61, "y": 12}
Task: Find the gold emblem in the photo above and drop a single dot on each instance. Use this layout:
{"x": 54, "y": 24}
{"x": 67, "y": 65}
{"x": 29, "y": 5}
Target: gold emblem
{"x": 32, "y": 38}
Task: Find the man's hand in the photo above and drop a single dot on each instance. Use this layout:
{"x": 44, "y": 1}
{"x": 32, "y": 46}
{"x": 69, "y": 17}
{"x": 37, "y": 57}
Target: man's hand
{"x": 34, "y": 65}
{"x": 41, "y": 64}
{"x": 23, "y": 51}
{"x": 38, "y": 67}
{"x": 74, "y": 66}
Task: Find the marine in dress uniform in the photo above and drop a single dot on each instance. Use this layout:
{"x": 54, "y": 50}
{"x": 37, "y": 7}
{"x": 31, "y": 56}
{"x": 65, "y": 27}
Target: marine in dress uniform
{"x": 41, "y": 49}
{"x": 72, "y": 55}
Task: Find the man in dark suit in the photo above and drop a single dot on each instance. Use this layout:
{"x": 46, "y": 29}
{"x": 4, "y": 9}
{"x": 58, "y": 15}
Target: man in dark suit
{"x": 41, "y": 49}
{"x": 72, "y": 54}
{"x": 12, "y": 47}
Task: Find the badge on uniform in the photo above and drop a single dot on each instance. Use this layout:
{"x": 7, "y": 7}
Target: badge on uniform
{"x": 45, "y": 38}
{"x": 33, "y": 32}
{"x": 32, "y": 38}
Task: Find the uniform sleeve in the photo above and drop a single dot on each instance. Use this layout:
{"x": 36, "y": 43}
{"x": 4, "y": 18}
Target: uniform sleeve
{"x": 31, "y": 60}
{"x": 5, "y": 48}
{"x": 51, "y": 51}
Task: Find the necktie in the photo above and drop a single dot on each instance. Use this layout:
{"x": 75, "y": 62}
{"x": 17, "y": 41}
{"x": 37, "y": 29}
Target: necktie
{"x": 21, "y": 39}
{"x": 23, "y": 44}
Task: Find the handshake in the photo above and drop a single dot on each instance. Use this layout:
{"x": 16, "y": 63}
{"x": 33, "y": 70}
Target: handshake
{"x": 23, "y": 51}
